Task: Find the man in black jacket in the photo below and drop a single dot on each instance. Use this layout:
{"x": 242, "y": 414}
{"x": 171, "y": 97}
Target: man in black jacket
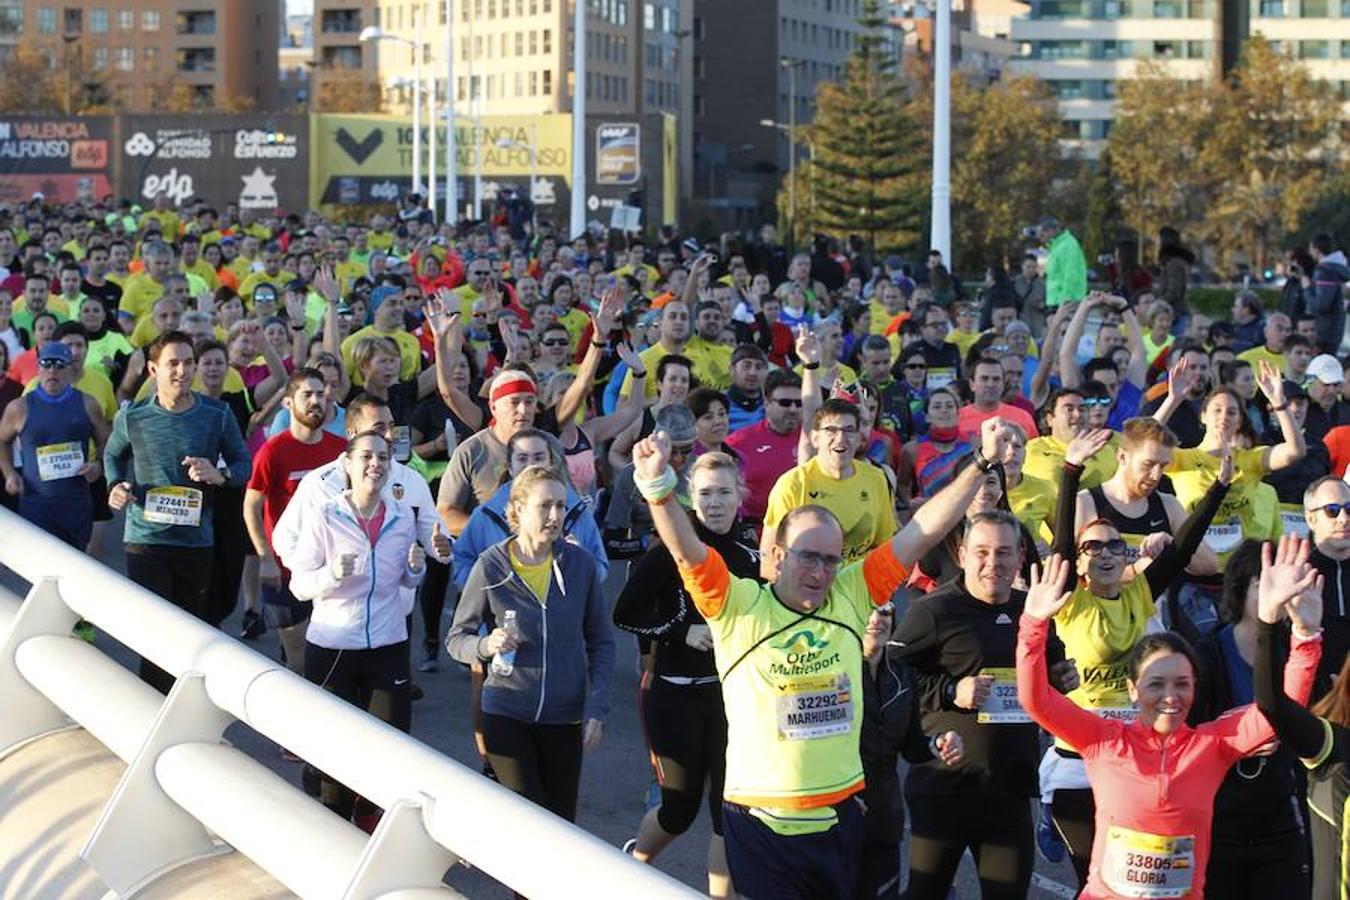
{"x": 1326, "y": 505}
{"x": 1328, "y": 300}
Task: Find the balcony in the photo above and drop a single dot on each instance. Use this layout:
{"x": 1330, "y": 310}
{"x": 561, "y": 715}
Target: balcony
{"x": 197, "y": 22}
{"x": 341, "y": 57}
{"x": 341, "y": 21}
{"x": 198, "y": 59}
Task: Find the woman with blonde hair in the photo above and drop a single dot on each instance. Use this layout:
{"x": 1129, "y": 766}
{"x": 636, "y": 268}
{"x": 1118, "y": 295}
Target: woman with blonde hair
{"x": 547, "y": 690}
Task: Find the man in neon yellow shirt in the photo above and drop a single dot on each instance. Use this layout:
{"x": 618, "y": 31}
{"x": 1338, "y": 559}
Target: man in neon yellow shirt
{"x": 711, "y": 358}
{"x": 674, "y": 338}
{"x": 789, "y": 656}
{"x": 271, "y": 273}
{"x": 191, "y": 262}
{"x": 141, "y": 290}
{"x": 1045, "y": 454}
{"x": 387, "y": 321}
{"x": 1278, "y": 329}
{"x": 164, "y": 216}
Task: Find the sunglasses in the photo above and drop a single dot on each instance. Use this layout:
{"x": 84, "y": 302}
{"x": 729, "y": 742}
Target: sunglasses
{"x": 1332, "y": 510}
{"x": 916, "y": 365}
{"x": 558, "y": 342}
{"x": 1096, "y": 401}
{"x": 51, "y": 364}
{"x": 1115, "y": 546}
{"x": 787, "y": 403}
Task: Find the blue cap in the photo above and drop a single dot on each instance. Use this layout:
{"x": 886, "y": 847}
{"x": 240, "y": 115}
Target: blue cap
{"x": 55, "y": 351}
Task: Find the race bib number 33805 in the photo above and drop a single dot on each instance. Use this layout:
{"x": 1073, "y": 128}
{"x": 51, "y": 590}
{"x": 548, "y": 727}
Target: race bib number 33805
{"x": 1136, "y": 864}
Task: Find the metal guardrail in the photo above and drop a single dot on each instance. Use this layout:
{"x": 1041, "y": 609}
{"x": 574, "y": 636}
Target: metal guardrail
{"x": 185, "y": 790}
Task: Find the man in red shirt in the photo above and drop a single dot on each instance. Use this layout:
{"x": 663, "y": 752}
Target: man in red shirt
{"x": 986, "y": 382}
{"x": 277, "y": 469}
{"x": 769, "y": 447}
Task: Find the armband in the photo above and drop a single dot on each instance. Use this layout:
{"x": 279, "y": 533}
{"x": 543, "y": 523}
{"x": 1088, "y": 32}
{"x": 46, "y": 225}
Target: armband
{"x": 657, "y": 490}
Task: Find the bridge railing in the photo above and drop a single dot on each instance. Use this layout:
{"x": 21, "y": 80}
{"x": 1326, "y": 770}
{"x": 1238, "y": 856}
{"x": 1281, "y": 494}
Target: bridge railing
{"x": 185, "y": 790}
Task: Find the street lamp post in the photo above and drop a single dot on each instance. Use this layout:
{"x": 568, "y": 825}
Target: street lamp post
{"x": 451, "y": 185}
{"x": 579, "y": 118}
{"x": 792, "y": 65}
{"x": 942, "y": 132}
{"x": 372, "y": 33}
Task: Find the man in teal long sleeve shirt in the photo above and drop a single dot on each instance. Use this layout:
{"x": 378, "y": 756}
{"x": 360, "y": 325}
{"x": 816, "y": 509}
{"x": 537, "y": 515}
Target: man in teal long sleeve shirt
{"x": 1065, "y": 267}
{"x": 162, "y": 462}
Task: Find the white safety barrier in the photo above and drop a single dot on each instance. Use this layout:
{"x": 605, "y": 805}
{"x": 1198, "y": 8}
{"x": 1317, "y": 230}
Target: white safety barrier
{"x": 185, "y": 790}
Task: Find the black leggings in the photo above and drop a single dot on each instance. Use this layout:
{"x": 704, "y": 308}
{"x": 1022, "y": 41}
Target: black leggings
{"x": 431, "y": 598}
{"x": 540, "y": 762}
{"x": 687, "y": 733}
{"x": 1074, "y": 813}
{"x": 232, "y": 544}
{"x": 181, "y": 575}
{"x": 994, "y": 824}
{"x": 1270, "y": 867}
{"x": 377, "y": 681}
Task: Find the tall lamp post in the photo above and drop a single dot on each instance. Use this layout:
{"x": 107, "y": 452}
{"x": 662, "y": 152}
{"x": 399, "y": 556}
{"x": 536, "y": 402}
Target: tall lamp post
{"x": 373, "y": 33}
{"x": 451, "y": 185}
{"x": 578, "y": 118}
{"x": 942, "y": 131}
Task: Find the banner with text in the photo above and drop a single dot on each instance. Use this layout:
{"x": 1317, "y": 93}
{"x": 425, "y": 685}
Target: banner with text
{"x": 63, "y": 158}
{"x": 369, "y": 158}
{"x": 259, "y": 162}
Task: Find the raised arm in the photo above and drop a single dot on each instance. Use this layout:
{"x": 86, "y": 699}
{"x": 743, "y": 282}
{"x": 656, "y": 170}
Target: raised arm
{"x": 603, "y": 323}
{"x": 1169, "y": 563}
{"x": 933, "y": 520}
{"x": 1180, "y": 379}
{"x": 1068, "y": 350}
{"x": 629, "y": 412}
{"x": 449, "y": 336}
{"x": 809, "y": 352}
{"x": 1292, "y": 448}
{"x": 276, "y": 368}
{"x": 656, "y": 481}
{"x": 1137, "y": 371}
{"x": 1040, "y": 382}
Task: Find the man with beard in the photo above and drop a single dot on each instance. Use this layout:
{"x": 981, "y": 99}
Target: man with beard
{"x": 277, "y": 469}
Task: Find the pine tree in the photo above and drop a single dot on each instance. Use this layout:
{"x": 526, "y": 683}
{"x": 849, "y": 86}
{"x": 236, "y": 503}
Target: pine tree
{"x": 869, "y": 161}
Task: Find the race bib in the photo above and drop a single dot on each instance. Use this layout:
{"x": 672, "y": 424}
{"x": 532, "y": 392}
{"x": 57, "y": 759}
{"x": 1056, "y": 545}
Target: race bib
{"x": 402, "y": 443}
{"x": 1136, "y": 864}
{"x": 1002, "y": 706}
{"x": 939, "y": 378}
{"x": 173, "y": 506}
{"x": 57, "y": 461}
{"x": 1119, "y": 713}
{"x": 815, "y": 708}
{"x": 1224, "y": 537}
{"x": 1294, "y": 523}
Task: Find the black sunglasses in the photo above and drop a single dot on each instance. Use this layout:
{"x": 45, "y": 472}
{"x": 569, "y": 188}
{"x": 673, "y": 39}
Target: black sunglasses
{"x": 787, "y": 402}
{"x": 1115, "y": 546}
{"x": 916, "y": 365}
{"x": 1332, "y": 510}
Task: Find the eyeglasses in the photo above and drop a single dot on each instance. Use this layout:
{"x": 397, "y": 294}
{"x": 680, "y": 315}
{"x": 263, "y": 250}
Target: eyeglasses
{"x": 834, "y": 430}
{"x": 558, "y": 342}
{"x": 1332, "y": 510}
{"x": 787, "y": 402}
{"x": 1096, "y": 401}
{"x": 1115, "y": 546}
{"x": 810, "y": 559}
{"x": 51, "y": 364}
{"x": 916, "y": 365}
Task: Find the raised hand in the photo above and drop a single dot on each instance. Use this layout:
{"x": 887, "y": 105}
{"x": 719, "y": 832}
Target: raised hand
{"x": 1152, "y": 546}
{"x": 1225, "y": 475}
{"x": 1047, "y": 595}
{"x": 1181, "y": 378}
{"x": 510, "y": 337}
{"x": 295, "y": 308}
{"x": 808, "y": 346}
{"x": 1305, "y": 610}
{"x": 1285, "y": 574}
{"x": 651, "y": 455}
{"x": 1085, "y": 446}
{"x": 326, "y": 283}
{"x": 629, "y": 356}
{"x": 440, "y": 544}
{"x": 1271, "y": 383}
{"x": 206, "y": 303}
{"x": 995, "y": 436}
{"x": 610, "y": 313}
{"x": 436, "y": 312}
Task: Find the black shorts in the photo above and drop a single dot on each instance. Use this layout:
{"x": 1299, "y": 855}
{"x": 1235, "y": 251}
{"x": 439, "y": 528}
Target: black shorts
{"x": 98, "y": 492}
{"x": 281, "y": 609}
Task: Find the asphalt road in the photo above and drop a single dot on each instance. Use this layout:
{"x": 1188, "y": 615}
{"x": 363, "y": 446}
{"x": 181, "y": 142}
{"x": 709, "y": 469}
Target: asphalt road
{"x": 615, "y": 778}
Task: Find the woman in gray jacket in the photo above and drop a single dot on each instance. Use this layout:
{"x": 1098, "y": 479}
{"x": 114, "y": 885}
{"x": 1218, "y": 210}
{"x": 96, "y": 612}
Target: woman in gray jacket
{"x": 547, "y": 692}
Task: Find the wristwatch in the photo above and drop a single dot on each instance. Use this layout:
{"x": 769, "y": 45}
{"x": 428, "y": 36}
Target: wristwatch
{"x": 982, "y": 462}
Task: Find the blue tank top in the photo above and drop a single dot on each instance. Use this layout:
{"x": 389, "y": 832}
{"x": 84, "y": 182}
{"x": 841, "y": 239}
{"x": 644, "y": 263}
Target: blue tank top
{"x": 55, "y": 439}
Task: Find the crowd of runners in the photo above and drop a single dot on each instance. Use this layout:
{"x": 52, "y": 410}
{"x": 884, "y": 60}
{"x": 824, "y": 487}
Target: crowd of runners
{"x": 1078, "y": 554}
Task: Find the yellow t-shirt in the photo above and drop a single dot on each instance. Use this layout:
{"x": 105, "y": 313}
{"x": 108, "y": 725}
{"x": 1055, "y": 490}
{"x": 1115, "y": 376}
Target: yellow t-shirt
{"x": 1257, "y": 355}
{"x": 96, "y": 385}
{"x": 410, "y": 353}
{"x": 862, "y": 503}
{"x": 536, "y": 575}
{"x": 1246, "y": 510}
{"x": 1033, "y": 502}
{"x": 278, "y": 281}
{"x": 1045, "y": 460}
{"x": 169, "y": 223}
{"x": 380, "y": 240}
{"x": 962, "y": 340}
{"x": 202, "y": 269}
{"x": 466, "y": 295}
{"x": 712, "y": 362}
{"x": 844, "y": 375}
{"x": 651, "y": 359}
{"x": 139, "y": 295}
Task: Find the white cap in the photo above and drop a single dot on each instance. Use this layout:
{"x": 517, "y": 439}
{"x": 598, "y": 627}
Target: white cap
{"x": 1326, "y": 369}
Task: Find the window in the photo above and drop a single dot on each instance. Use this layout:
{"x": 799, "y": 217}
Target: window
{"x": 339, "y": 21}
{"x": 1166, "y": 9}
{"x": 534, "y": 83}
{"x": 126, "y": 20}
{"x": 649, "y": 16}
{"x": 1313, "y": 50}
{"x": 1198, "y": 9}
{"x": 1272, "y": 9}
{"x": 198, "y": 22}
{"x": 11, "y": 19}
{"x": 197, "y": 59}
{"x": 492, "y": 9}
{"x": 150, "y": 59}
{"x": 100, "y": 59}
{"x": 125, "y": 59}
{"x": 1063, "y": 50}
{"x": 1066, "y": 90}
{"x": 1315, "y": 9}
{"x": 149, "y": 20}
{"x": 548, "y": 83}
{"x": 548, "y": 8}
{"x": 74, "y": 21}
{"x": 548, "y": 40}
{"x": 442, "y": 12}
{"x": 47, "y": 20}
{"x": 534, "y": 42}
{"x": 520, "y": 43}
{"x": 520, "y": 85}
{"x": 98, "y": 21}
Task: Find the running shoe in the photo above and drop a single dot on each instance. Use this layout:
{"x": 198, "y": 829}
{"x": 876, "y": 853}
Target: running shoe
{"x": 489, "y": 772}
{"x": 84, "y": 631}
{"x": 428, "y": 663}
{"x": 628, "y": 846}
{"x": 1048, "y": 841}
{"x": 252, "y": 627}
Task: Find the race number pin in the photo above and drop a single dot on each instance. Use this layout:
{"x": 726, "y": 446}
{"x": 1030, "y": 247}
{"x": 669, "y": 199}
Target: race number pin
{"x": 398, "y": 491}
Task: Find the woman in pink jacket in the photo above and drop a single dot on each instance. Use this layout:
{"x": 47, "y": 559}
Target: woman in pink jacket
{"x": 1154, "y": 779}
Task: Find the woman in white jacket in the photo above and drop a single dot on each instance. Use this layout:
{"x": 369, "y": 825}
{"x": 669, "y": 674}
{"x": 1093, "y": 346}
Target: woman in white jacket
{"x": 351, "y": 559}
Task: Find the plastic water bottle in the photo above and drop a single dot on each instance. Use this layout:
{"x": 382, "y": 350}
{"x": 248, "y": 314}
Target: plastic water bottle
{"x": 504, "y": 661}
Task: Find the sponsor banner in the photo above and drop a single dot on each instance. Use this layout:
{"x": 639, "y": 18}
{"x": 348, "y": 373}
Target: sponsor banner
{"x": 259, "y": 162}
{"x": 618, "y": 154}
{"x": 63, "y": 158}
{"x": 368, "y": 158}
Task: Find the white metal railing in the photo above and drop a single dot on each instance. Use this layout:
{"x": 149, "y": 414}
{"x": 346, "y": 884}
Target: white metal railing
{"x": 185, "y": 790}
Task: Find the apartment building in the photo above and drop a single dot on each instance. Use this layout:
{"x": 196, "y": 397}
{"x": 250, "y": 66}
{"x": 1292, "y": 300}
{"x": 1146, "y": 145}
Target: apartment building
{"x": 145, "y": 48}
{"x": 1084, "y": 48}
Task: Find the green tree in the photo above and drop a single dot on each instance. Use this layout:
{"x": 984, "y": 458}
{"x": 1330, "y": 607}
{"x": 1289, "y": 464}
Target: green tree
{"x": 28, "y": 84}
{"x": 869, "y": 163}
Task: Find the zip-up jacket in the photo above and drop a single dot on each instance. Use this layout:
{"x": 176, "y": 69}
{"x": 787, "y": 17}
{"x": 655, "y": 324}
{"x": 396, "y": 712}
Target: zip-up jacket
{"x": 1154, "y": 793}
{"x": 1328, "y": 300}
{"x": 1335, "y": 617}
{"x": 487, "y": 526}
{"x": 367, "y": 609}
{"x": 890, "y": 728}
{"x": 565, "y": 659}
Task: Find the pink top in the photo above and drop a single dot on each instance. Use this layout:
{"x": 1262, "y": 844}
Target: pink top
{"x": 765, "y": 455}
